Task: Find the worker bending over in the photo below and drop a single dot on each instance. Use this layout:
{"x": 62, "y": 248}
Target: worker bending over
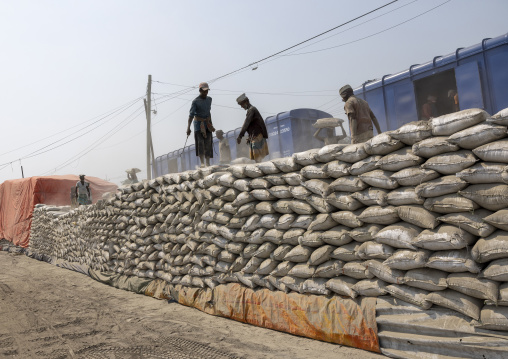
{"x": 255, "y": 127}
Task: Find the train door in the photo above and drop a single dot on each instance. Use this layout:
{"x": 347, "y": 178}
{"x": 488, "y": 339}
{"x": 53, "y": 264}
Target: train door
{"x": 442, "y": 86}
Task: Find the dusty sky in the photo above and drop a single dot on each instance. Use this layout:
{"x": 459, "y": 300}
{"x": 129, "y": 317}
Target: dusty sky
{"x": 74, "y": 73}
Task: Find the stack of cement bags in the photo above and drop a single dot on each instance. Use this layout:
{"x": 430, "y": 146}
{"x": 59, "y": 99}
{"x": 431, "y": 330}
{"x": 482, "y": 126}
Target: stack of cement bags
{"x": 419, "y": 213}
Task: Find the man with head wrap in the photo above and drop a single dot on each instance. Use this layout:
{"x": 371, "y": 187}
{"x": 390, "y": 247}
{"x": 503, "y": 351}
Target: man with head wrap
{"x": 83, "y": 191}
{"x": 255, "y": 127}
{"x": 361, "y": 118}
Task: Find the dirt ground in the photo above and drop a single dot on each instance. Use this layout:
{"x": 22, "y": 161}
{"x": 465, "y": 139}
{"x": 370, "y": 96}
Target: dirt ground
{"x": 50, "y": 312}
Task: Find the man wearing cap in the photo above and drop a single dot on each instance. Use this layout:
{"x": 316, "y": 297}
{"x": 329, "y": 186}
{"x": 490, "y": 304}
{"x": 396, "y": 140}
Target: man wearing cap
{"x": 360, "y": 116}
{"x": 429, "y": 108}
{"x": 255, "y": 127}
{"x": 83, "y": 191}
{"x": 203, "y": 128}
{"x": 224, "y": 150}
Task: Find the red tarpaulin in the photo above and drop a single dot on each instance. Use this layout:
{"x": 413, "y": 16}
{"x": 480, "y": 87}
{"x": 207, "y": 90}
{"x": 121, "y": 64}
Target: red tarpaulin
{"x": 18, "y": 198}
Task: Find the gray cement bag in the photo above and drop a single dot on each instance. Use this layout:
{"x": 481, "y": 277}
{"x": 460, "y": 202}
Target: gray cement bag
{"x": 314, "y": 171}
{"x": 318, "y": 186}
{"x": 379, "y": 178}
{"x": 478, "y": 135}
{"x": 379, "y": 215}
{"x": 444, "y": 237}
{"x": 319, "y": 203}
{"x": 413, "y": 132}
{"x": 414, "y": 176}
{"x": 496, "y": 270}
{"x": 293, "y": 283}
{"x": 287, "y": 164}
{"x": 329, "y": 269}
{"x": 281, "y": 192}
{"x": 242, "y": 185}
{"x": 293, "y": 178}
{"x": 403, "y": 196}
{"x": 283, "y": 269}
{"x": 285, "y": 221}
{"x": 450, "y": 203}
{"x": 268, "y": 168}
{"x": 342, "y": 286}
{"x": 498, "y": 219}
{"x": 327, "y": 153}
{"x": 275, "y": 179}
{"x": 382, "y": 144}
{"x": 371, "y": 196}
{"x": 262, "y": 195}
{"x": 474, "y": 223}
{"x": 347, "y": 252}
{"x": 451, "y": 163}
{"x": 356, "y": 270}
{"x": 410, "y": 295}
{"x": 500, "y": 118}
{"x": 483, "y": 172}
{"x": 370, "y": 287}
{"x": 434, "y": 146}
{"x": 405, "y": 259}
{"x": 315, "y": 286}
{"x": 494, "y": 318}
{"x": 399, "y": 160}
{"x": 311, "y": 239}
{"x": 449, "y": 124}
{"x": 426, "y": 278}
{"x": 322, "y": 222}
{"x": 493, "y": 152}
{"x": 352, "y": 153}
{"x": 303, "y": 221}
{"x": 307, "y": 157}
{"x": 399, "y": 235}
{"x": 301, "y": 207}
{"x": 348, "y": 218}
{"x": 383, "y": 272}
{"x": 327, "y": 123}
{"x": 336, "y": 169}
{"x": 283, "y": 206}
{"x": 453, "y": 261}
{"x": 458, "y": 302}
{"x": 490, "y": 196}
{"x": 336, "y": 236}
{"x": 291, "y": 236}
{"x": 302, "y": 270}
{"x": 347, "y": 184}
{"x": 418, "y": 216}
{"x": 299, "y": 254}
{"x": 365, "y": 233}
{"x": 374, "y": 250}
{"x": 253, "y": 171}
{"x": 440, "y": 186}
{"x": 299, "y": 192}
{"x": 469, "y": 284}
{"x": 492, "y": 247}
{"x": 344, "y": 201}
{"x": 366, "y": 165}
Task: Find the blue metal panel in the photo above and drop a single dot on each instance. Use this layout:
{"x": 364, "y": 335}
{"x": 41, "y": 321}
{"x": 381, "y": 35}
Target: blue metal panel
{"x": 285, "y": 137}
{"x": 180, "y": 161}
{"x": 469, "y": 86}
{"x": 273, "y": 139}
{"x": 497, "y": 68}
{"x": 405, "y": 103}
{"x": 376, "y": 104}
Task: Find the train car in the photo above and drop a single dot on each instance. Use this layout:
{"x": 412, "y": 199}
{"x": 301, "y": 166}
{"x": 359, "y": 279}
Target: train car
{"x": 479, "y": 75}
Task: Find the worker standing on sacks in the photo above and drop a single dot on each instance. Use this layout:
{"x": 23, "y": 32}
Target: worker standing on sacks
{"x": 360, "y": 116}
{"x": 255, "y": 127}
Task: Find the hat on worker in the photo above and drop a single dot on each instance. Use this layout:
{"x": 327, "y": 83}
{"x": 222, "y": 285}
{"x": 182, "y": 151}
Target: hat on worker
{"x": 241, "y": 98}
{"x": 344, "y": 89}
{"x": 204, "y": 86}
{"x": 219, "y": 132}
{"x": 81, "y": 176}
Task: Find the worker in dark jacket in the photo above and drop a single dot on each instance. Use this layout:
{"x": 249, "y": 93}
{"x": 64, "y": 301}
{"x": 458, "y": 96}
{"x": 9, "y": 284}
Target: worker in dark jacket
{"x": 361, "y": 118}
{"x": 255, "y": 127}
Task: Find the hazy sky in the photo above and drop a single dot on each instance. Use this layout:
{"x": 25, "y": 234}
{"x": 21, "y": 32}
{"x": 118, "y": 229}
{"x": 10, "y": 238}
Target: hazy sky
{"x": 67, "y": 66}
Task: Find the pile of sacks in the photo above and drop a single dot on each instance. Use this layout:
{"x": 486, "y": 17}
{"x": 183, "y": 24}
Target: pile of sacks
{"x": 419, "y": 213}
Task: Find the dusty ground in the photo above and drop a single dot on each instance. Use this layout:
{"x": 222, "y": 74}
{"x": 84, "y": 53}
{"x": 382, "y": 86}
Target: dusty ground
{"x": 50, "y": 312}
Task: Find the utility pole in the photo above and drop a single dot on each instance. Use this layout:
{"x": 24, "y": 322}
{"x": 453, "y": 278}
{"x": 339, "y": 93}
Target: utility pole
{"x": 148, "y": 108}
{"x": 151, "y": 142}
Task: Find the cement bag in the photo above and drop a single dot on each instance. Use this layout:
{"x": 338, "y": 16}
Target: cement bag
{"x": 356, "y": 270}
{"x": 252, "y": 223}
{"x": 322, "y": 222}
{"x": 329, "y": 269}
{"x": 302, "y": 271}
{"x": 410, "y": 295}
{"x": 458, "y": 302}
{"x": 474, "y": 223}
{"x": 311, "y": 239}
{"x": 413, "y": 132}
{"x": 247, "y": 209}
{"x": 230, "y": 195}
{"x": 217, "y": 190}
{"x": 344, "y": 201}
{"x": 262, "y": 195}
{"x": 293, "y": 179}
{"x": 303, "y": 221}
{"x": 315, "y": 286}
{"x": 364, "y": 233}
{"x": 243, "y": 198}
{"x": 496, "y": 270}
{"x": 440, "y": 186}
{"x": 451, "y": 163}
{"x": 321, "y": 255}
{"x": 500, "y": 118}
{"x": 211, "y": 179}
{"x": 363, "y": 166}
{"x": 314, "y": 171}
{"x": 282, "y": 206}
{"x": 490, "y": 196}
{"x": 498, "y": 219}
{"x": 374, "y": 250}
{"x": 329, "y": 122}
{"x": 352, "y": 153}
{"x": 493, "y": 152}
{"x": 307, "y": 157}
{"x": 405, "y": 259}
{"x": 494, "y": 318}
{"x": 227, "y": 179}
{"x": 267, "y": 266}
{"x": 502, "y": 298}
{"x": 337, "y": 169}
{"x": 444, "y": 237}
{"x": 299, "y": 254}
{"x": 370, "y": 287}
{"x": 348, "y": 218}
{"x": 299, "y": 192}
{"x": 478, "y": 135}
{"x": 434, "y": 146}
{"x": 291, "y": 236}
{"x": 399, "y": 235}
{"x": 413, "y": 176}
{"x": 246, "y": 280}
{"x": 418, "y": 216}
{"x": 426, "y": 278}
{"x": 451, "y": 203}
{"x": 453, "y": 261}
{"x": 483, "y": 172}
{"x": 379, "y": 215}
{"x": 469, "y": 284}
{"x": 379, "y": 178}
{"x": 252, "y": 265}
{"x": 301, "y": 207}
{"x": 262, "y": 183}
{"x": 242, "y": 185}
{"x": 383, "y": 272}
{"x": 399, "y": 160}
{"x": 256, "y": 237}
{"x": 235, "y": 248}
{"x": 319, "y": 203}
{"x": 371, "y": 196}
{"x": 286, "y": 164}
{"x": 268, "y": 168}
{"x": 265, "y": 207}
{"x": 293, "y": 283}
{"x": 336, "y": 236}
{"x": 346, "y": 252}
{"x": 280, "y": 252}
{"x": 280, "y": 192}
{"x": 403, "y": 196}
{"x": 327, "y": 153}
{"x": 342, "y": 286}
{"x": 347, "y": 184}
{"x": 283, "y": 269}
{"x": 451, "y": 123}
{"x": 382, "y": 144}
{"x": 265, "y": 250}
{"x": 492, "y": 247}
{"x": 285, "y": 221}
{"x": 317, "y": 186}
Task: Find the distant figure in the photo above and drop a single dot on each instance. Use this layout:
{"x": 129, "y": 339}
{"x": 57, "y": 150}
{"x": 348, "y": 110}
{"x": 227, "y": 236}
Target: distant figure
{"x": 83, "y": 192}
{"x": 360, "y": 116}
{"x": 429, "y": 108}
{"x": 255, "y": 127}
{"x": 131, "y": 175}
{"x": 453, "y": 98}
{"x": 224, "y": 150}
{"x": 203, "y": 128}
{"x": 330, "y": 138}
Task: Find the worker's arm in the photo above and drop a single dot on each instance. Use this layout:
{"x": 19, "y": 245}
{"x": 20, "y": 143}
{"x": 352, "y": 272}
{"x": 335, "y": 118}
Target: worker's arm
{"x": 316, "y": 135}
{"x": 192, "y": 113}
{"x": 352, "y": 124}
{"x": 189, "y": 125}
{"x": 248, "y": 119}
{"x": 375, "y": 122}
{"x": 344, "y": 134}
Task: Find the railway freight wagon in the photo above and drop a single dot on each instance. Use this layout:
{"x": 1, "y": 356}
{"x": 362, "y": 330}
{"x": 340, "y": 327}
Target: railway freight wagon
{"x": 479, "y": 75}
{"x": 288, "y": 132}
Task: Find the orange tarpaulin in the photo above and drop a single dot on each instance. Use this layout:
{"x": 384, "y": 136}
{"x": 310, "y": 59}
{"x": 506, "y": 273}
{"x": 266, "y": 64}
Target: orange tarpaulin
{"x": 332, "y": 319}
{"x": 18, "y": 198}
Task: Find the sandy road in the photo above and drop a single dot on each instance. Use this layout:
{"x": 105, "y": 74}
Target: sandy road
{"x": 50, "y": 312}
